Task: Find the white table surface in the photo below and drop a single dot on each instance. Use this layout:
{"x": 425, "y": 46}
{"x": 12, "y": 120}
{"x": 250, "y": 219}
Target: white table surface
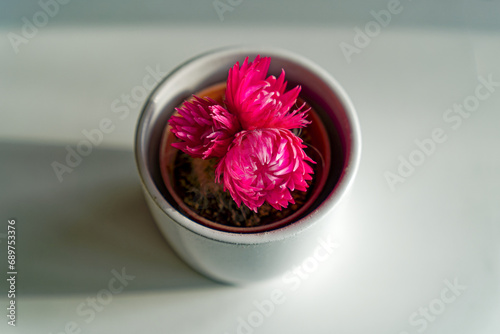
{"x": 399, "y": 249}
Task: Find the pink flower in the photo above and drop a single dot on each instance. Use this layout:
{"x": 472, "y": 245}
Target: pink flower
{"x": 264, "y": 165}
{"x": 205, "y": 128}
{"x": 259, "y": 102}
{"x": 260, "y": 158}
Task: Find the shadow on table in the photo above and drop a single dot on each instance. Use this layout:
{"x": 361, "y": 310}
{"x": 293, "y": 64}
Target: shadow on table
{"x": 72, "y": 235}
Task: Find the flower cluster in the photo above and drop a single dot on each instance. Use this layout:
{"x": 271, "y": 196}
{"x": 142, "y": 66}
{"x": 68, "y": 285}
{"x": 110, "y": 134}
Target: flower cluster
{"x": 260, "y": 159}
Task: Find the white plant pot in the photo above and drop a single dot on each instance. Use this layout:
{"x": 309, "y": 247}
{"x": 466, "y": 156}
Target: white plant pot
{"x": 242, "y": 258}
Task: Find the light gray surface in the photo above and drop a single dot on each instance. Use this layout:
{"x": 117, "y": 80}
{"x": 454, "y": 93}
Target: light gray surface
{"x": 397, "y": 248}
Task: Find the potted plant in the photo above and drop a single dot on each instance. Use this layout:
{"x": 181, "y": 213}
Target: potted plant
{"x": 243, "y": 174}
{"x": 213, "y": 150}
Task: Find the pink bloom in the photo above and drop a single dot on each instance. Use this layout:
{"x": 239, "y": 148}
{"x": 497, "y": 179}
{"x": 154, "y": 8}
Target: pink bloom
{"x": 264, "y": 165}
{"x": 259, "y": 102}
{"x": 260, "y": 158}
{"x": 205, "y": 128}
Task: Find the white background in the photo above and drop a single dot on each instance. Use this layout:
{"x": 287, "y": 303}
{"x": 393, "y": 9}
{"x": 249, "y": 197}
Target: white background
{"x": 397, "y": 247}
